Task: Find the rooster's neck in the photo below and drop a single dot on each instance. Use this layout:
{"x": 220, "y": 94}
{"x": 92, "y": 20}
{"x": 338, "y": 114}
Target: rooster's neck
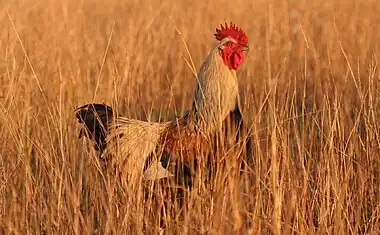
{"x": 216, "y": 93}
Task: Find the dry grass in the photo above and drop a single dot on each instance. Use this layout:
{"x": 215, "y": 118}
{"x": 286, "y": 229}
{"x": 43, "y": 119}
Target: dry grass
{"x": 310, "y": 88}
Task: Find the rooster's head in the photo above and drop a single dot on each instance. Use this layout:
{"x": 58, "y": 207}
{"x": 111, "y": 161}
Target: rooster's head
{"x": 233, "y": 41}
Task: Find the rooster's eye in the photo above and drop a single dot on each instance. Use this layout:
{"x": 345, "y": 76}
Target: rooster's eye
{"x": 229, "y": 44}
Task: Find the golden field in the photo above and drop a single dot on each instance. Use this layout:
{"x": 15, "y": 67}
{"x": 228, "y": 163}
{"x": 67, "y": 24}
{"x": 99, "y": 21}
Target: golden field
{"x": 310, "y": 88}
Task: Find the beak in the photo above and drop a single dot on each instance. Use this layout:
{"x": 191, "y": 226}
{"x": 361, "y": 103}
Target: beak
{"x": 245, "y": 48}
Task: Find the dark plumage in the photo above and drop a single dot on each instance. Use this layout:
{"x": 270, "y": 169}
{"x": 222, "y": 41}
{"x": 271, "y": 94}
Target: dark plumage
{"x": 236, "y": 123}
{"x": 95, "y": 118}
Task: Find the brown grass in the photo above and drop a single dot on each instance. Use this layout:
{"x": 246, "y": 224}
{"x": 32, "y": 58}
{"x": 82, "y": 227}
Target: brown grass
{"x": 310, "y": 89}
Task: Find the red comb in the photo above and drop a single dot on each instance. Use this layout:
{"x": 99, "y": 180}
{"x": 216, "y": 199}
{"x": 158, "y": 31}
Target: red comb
{"x": 232, "y": 31}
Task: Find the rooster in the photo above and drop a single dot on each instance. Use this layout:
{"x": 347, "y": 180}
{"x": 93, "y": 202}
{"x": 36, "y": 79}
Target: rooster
{"x": 138, "y": 148}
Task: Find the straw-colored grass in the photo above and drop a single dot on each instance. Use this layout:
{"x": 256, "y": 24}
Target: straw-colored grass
{"x": 310, "y": 91}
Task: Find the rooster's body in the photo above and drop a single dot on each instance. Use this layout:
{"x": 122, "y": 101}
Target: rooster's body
{"x": 132, "y": 143}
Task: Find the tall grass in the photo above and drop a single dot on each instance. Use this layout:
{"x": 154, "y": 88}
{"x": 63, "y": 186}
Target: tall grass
{"x": 310, "y": 91}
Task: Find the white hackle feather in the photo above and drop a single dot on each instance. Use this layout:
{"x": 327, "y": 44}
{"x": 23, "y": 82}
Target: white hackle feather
{"x": 216, "y": 91}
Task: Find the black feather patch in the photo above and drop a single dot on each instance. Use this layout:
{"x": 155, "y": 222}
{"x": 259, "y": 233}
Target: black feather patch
{"x": 238, "y": 123}
{"x": 95, "y": 118}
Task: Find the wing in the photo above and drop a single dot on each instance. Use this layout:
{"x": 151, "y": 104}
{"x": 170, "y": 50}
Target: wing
{"x": 180, "y": 149}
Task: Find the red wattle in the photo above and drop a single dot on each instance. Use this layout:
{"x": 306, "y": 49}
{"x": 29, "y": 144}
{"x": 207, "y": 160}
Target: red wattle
{"x": 232, "y": 59}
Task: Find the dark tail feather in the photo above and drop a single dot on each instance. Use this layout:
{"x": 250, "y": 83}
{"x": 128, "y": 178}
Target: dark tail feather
{"x": 95, "y": 118}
